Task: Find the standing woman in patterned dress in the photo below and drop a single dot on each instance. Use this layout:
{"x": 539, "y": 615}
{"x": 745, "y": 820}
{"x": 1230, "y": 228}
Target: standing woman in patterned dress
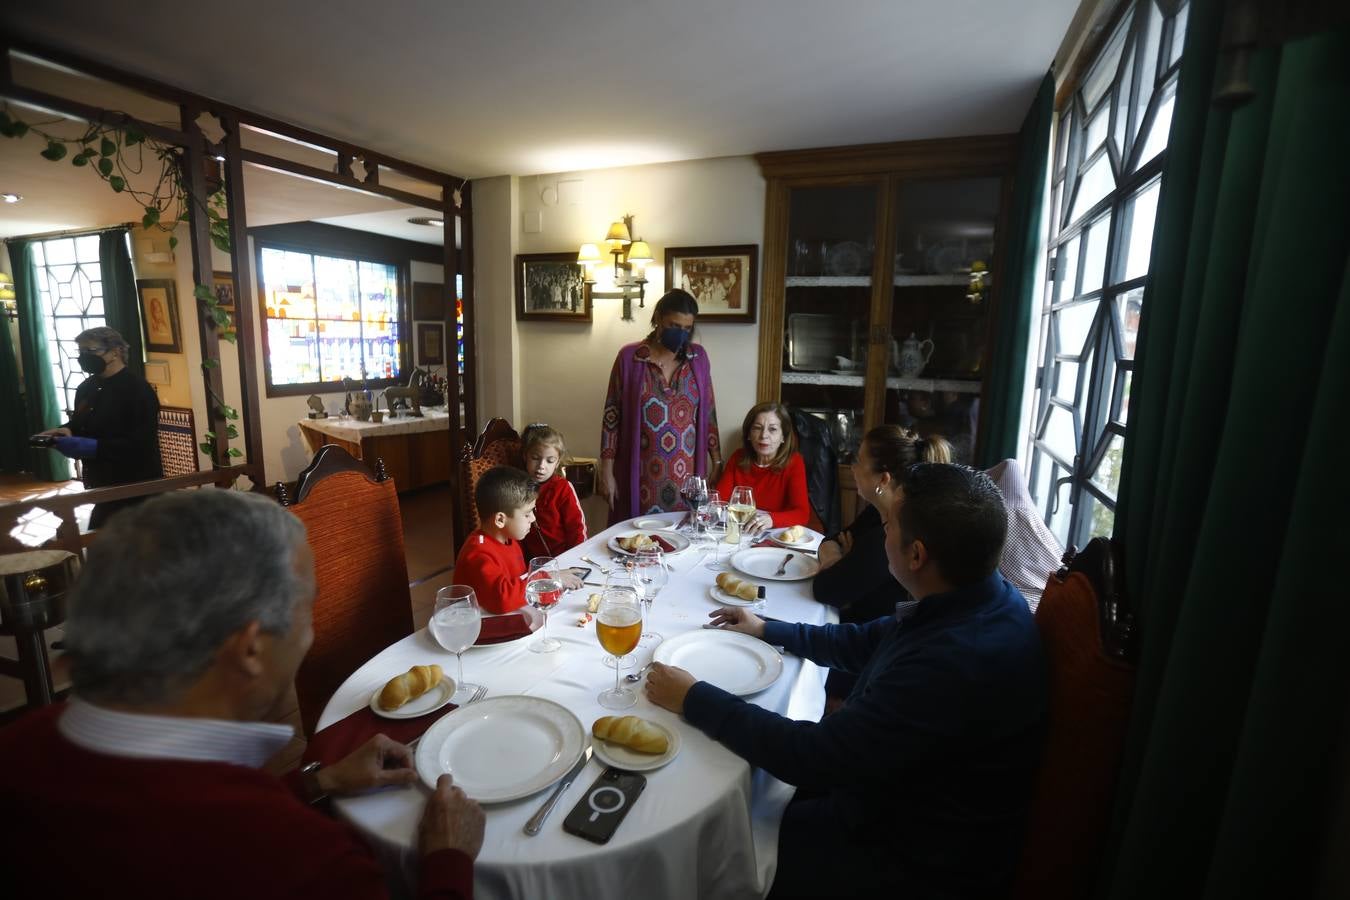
{"x": 660, "y": 421}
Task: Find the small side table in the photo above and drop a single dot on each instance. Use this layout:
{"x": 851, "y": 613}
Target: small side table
{"x": 33, "y": 589}
{"x": 581, "y": 472}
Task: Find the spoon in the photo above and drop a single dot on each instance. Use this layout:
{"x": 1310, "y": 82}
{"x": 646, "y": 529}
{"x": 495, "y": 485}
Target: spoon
{"x": 604, "y": 569}
{"x": 637, "y": 676}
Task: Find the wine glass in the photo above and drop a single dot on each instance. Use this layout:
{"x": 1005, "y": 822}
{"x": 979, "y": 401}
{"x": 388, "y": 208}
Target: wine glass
{"x": 741, "y": 509}
{"x": 717, "y": 531}
{"x": 618, "y": 626}
{"x": 455, "y": 624}
{"x": 543, "y": 589}
{"x": 652, "y": 574}
{"x": 708, "y": 514}
{"x": 623, "y": 577}
{"x": 694, "y": 490}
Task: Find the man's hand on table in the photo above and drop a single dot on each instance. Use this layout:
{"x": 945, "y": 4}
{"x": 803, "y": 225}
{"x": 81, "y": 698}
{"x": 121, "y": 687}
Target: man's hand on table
{"x": 668, "y": 685}
{"x": 451, "y": 821}
{"x": 378, "y": 762}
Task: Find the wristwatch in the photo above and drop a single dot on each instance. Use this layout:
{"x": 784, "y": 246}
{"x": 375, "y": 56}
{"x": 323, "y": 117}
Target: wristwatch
{"x": 309, "y": 777}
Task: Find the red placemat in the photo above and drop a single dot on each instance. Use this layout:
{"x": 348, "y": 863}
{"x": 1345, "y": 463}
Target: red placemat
{"x": 499, "y": 629}
{"x": 334, "y": 743}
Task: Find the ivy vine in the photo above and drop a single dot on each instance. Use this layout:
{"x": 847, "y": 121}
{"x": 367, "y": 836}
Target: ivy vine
{"x": 118, "y": 155}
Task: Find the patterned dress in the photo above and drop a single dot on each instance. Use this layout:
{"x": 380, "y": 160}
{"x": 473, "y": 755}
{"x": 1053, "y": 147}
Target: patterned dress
{"x": 668, "y": 434}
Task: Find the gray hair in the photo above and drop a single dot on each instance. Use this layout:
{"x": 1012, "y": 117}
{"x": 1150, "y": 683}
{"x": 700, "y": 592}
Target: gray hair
{"x": 105, "y": 337}
{"x": 168, "y": 581}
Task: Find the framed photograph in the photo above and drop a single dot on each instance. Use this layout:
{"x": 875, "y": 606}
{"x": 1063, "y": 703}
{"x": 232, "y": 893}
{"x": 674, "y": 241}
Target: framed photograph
{"x": 430, "y": 344}
{"x": 550, "y": 287}
{"x": 223, "y": 285}
{"x": 724, "y": 280}
{"x": 159, "y": 314}
{"x": 428, "y": 301}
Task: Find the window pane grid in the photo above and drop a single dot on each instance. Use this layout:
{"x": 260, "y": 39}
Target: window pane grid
{"x": 1109, "y": 151}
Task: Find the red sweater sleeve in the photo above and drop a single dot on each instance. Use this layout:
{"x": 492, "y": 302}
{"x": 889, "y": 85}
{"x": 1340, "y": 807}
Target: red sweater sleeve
{"x": 796, "y": 503}
{"x": 493, "y": 570}
{"x": 559, "y": 524}
{"x": 446, "y": 875}
{"x": 729, "y": 473}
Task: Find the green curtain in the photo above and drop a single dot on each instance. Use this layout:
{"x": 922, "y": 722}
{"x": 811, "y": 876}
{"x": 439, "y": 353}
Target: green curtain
{"x": 1019, "y": 292}
{"x": 39, "y": 391}
{"x": 1233, "y": 503}
{"x": 13, "y": 420}
{"x": 121, "y": 303}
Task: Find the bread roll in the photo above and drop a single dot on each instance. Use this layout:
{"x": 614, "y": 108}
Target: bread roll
{"x": 410, "y": 685}
{"x": 793, "y": 535}
{"x": 632, "y": 732}
{"x": 635, "y": 542}
{"x": 746, "y": 590}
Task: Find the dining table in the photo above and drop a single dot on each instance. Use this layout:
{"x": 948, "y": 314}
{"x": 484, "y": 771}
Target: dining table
{"x": 706, "y": 824}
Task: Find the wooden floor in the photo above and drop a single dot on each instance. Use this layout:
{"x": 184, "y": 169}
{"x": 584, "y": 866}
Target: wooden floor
{"x": 428, "y": 543}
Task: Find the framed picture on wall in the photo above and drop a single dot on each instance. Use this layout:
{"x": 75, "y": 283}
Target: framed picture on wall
{"x": 222, "y": 283}
{"x": 428, "y": 301}
{"x": 430, "y": 344}
{"x": 550, "y": 287}
{"x": 723, "y": 280}
{"x": 159, "y": 314}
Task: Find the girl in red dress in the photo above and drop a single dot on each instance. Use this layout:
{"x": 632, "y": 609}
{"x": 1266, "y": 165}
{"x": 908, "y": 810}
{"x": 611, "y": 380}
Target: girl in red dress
{"x": 559, "y": 523}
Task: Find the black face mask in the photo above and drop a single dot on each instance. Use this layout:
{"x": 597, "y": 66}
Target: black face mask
{"x": 674, "y": 338}
{"x": 91, "y": 362}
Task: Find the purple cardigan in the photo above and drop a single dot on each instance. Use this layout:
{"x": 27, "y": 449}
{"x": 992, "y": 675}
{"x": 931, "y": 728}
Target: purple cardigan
{"x": 627, "y": 458}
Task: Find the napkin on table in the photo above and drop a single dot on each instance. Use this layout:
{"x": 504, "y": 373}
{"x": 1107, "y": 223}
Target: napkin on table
{"x": 498, "y": 629}
{"x": 334, "y": 743}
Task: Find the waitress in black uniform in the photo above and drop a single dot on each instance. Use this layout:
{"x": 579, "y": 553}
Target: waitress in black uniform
{"x": 114, "y": 430}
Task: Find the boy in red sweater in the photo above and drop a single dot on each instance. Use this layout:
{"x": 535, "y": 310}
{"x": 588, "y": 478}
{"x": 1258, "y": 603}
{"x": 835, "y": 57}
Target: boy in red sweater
{"x": 490, "y": 560}
{"x": 559, "y": 523}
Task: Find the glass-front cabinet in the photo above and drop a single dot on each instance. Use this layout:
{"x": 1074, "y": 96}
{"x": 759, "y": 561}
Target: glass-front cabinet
{"x": 881, "y": 274}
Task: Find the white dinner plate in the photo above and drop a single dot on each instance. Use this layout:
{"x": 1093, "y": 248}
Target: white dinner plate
{"x": 812, "y": 539}
{"x": 722, "y": 597}
{"x": 763, "y": 562}
{"x": 431, "y": 701}
{"x": 674, "y": 538}
{"x": 652, "y": 525}
{"x": 502, "y": 748}
{"x": 621, "y": 757}
{"x": 735, "y": 662}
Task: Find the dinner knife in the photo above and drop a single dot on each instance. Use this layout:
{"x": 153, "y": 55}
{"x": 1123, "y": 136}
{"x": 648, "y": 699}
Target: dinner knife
{"x": 536, "y": 822}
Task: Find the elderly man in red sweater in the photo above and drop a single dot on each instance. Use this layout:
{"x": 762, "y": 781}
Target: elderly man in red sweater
{"x": 186, "y": 629}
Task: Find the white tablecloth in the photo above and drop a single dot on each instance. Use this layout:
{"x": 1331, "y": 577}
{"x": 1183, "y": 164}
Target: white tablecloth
{"x": 706, "y": 826}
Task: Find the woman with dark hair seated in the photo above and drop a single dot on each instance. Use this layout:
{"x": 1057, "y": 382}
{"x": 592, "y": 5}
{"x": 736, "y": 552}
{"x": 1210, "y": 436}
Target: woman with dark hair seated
{"x": 853, "y": 571}
{"x": 768, "y": 463}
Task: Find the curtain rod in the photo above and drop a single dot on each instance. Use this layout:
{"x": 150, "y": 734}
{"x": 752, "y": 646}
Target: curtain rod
{"x": 71, "y": 232}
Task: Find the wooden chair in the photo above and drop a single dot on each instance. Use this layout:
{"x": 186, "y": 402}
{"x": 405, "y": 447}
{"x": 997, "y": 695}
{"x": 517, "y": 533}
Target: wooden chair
{"x": 361, "y": 604}
{"x": 1087, "y": 628}
{"x": 498, "y": 445}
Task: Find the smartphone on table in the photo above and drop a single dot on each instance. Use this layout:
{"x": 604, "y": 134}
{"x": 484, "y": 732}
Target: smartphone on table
{"x": 604, "y": 805}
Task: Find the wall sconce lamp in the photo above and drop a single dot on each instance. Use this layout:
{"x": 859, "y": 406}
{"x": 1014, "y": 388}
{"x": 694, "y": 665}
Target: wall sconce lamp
{"x": 631, "y": 259}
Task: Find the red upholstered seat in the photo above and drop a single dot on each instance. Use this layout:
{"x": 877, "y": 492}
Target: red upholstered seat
{"x": 1085, "y": 631}
{"x": 498, "y": 445}
{"x": 361, "y": 604}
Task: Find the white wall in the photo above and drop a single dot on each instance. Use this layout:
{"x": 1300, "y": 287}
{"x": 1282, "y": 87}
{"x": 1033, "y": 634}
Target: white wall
{"x": 561, "y": 370}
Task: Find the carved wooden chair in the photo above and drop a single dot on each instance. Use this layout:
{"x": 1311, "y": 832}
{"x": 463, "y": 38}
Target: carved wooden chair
{"x": 1087, "y": 628}
{"x": 498, "y": 445}
{"x": 362, "y": 603}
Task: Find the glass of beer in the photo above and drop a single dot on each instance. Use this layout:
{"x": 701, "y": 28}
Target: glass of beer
{"x": 618, "y": 625}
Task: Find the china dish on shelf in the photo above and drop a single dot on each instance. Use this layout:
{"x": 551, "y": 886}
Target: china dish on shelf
{"x": 846, "y": 258}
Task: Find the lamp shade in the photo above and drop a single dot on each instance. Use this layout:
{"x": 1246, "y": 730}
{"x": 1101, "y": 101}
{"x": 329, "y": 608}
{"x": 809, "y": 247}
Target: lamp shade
{"x": 589, "y": 254}
{"x": 639, "y": 252}
{"x": 618, "y": 234}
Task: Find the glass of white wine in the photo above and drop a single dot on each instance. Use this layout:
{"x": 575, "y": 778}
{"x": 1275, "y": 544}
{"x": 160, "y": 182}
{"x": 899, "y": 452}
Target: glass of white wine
{"x": 741, "y": 510}
{"x": 618, "y": 626}
{"x": 455, "y": 624}
{"x": 543, "y": 590}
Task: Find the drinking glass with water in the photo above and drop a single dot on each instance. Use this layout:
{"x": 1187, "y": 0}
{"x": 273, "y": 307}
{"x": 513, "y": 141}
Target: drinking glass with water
{"x": 455, "y": 624}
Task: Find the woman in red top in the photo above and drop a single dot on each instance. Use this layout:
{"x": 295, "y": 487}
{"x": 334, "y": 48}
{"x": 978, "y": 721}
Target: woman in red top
{"x": 559, "y": 523}
{"x": 768, "y": 462}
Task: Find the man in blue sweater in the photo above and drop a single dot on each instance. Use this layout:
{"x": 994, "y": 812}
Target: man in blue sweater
{"x": 919, "y": 785}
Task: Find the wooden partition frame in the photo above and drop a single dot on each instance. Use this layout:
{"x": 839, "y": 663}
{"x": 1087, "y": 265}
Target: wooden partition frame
{"x": 453, "y": 205}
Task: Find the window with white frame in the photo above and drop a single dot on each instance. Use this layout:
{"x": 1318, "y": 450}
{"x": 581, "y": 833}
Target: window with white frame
{"x": 1109, "y": 146}
{"x": 70, "y": 286}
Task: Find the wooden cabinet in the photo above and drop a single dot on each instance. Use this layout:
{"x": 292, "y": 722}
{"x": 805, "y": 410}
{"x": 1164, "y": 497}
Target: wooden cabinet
{"x": 881, "y": 269}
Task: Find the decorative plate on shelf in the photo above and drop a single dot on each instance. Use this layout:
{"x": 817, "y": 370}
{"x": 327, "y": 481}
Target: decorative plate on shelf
{"x": 846, "y": 258}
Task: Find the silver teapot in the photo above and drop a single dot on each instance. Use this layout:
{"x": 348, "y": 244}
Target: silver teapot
{"x": 912, "y": 355}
